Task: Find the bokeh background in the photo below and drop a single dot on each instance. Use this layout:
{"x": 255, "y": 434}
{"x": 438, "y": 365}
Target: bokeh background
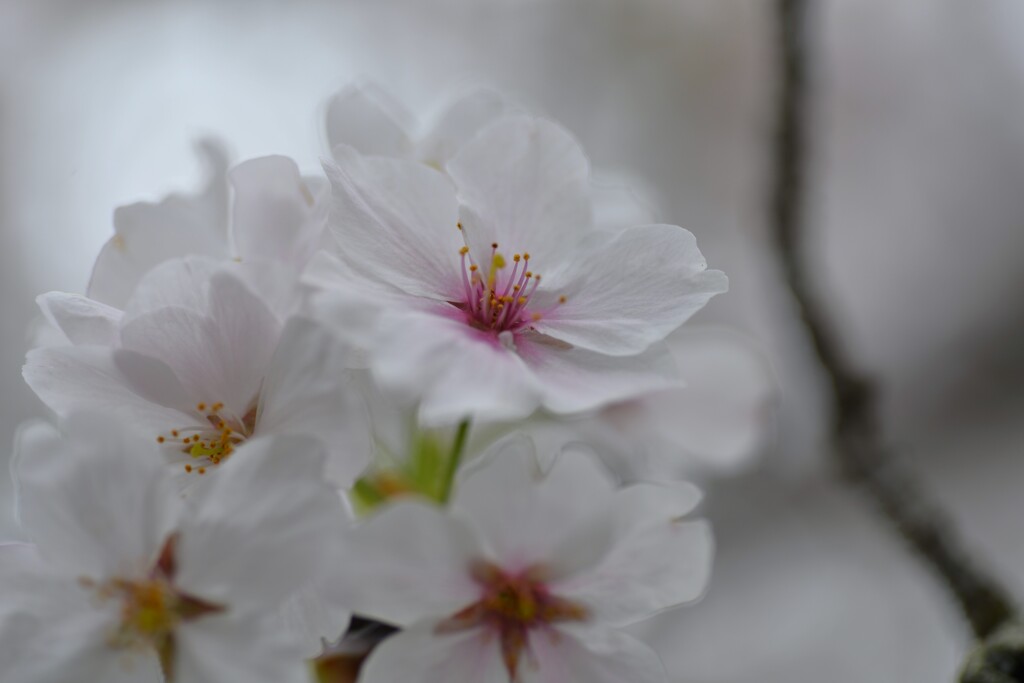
{"x": 917, "y": 222}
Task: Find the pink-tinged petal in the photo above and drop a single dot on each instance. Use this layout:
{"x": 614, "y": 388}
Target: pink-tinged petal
{"x": 95, "y": 502}
{"x": 574, "y": 380}
{"x": 527, "y": 180}
{"x": 419, "y": 655}
{"x": 309, "y": 389}
{"x": 261, "y": 530}
{"x": 148, "y": 234}
{"x": 628, "y": 294}
{"x": 220, "y": 649}
{"x": 370, "y": 120}
{"x": 136, "y": 390}
{"x": 458, "y": 123}
{"x": 408, "y": 562}
{"x": 395, "y": 221}
{"x": 523, "y": 513}
{"x": 564, "y": 656}
{"x": 276, "y": 215}
{"x": 653, "y": 557}
{"x": 455, "y": 370}
{"x": 83, "y": 321}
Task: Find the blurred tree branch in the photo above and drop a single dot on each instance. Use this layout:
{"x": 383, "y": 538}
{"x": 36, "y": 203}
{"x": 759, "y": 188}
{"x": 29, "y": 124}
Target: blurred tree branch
{"x": 857, "y": 437}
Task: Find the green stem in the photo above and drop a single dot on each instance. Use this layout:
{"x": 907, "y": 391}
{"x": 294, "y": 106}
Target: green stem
{"x": 455, "y": 459}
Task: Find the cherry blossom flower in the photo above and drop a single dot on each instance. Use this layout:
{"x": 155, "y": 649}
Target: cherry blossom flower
{"x": 527, "y": 576}
{"x": 126, "y": 579}
{"x": 200, "y": 363}
{"x": 275, "y": 214}
{"x": 510, "y": 300}
{"x": 369, "y": 119}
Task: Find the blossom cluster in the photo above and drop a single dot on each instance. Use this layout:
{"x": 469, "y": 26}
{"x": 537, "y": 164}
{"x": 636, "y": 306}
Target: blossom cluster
{"x": 430, "y": 394}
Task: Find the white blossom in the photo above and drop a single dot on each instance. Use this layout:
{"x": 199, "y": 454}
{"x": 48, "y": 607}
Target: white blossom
{"x": 275, "y": 214}
{"x": 453, "y": 267}
{"x": 527, "y": 576}
{"x": 125, "y": 578}
{"x": 201, "y": 363}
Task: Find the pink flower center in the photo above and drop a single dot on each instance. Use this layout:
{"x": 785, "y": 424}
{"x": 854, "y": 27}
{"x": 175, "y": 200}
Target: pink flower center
{"x": 510, "y": 606}
{"x": 498, "y": 297}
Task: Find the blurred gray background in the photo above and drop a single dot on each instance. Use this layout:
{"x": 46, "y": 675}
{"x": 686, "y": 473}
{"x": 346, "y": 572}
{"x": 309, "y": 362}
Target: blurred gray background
{"x": 917, "y": 214}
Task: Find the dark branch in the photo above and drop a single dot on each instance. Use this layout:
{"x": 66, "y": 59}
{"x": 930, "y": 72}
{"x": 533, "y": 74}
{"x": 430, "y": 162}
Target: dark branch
{"x": 858, "y": 441}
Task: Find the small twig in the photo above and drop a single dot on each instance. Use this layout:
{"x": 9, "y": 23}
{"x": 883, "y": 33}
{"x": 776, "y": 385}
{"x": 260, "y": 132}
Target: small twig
{"x": 859, "y": 444}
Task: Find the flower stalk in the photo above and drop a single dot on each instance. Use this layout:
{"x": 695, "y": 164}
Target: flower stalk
{"x": 454, "y": 459}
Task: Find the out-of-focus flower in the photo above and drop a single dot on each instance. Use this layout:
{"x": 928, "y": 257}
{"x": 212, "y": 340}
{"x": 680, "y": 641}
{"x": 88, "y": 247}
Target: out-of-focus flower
{"x": 127, "y": 579}
{"x": 454, "y": 273}
{"x": 370, "y": 120}
{"x": 201, "y": 363}
{"x": 712, "y": 426}
{"x": 527, "y": 575}
{"x": 276, "y": 215}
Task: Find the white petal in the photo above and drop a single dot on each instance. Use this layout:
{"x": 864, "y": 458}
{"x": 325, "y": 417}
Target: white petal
{"x": 148, "y": 234}
{"x": 654, "y": 558}
{"x": 222, "y": 649}
{"x": 458, "y": 123}
{"x": 408, "y": 562}
{"x": 523, "y": 513}
{"x": 49, "y": 629}
{"x": 527, "y": 179}
{"x": 418, "y": 655}
{"x": 395, "y": 222}
{"x": 453, "y": 369}
{"x": 310, "y": 390}
{"x": 349, "y": 303}
{"x": 118, "y": 383}
{"x": 643, "y": 284}
{"x": 574, "y": 380}
{"x": 312, "y": 617}
{"x": 220, "y": 357}
{"x": 261, "y": 530}
{"x": 620, "y": 202}
{"x": 179, "y": 282}
{"x": 82, "y": 320}
{"x": 725, "y": 412}
{"x": 592, "y": 656}
{"x": 276, "y": 216}
{"x": 95, "y": 502}
{"x": 370, "y": 120}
